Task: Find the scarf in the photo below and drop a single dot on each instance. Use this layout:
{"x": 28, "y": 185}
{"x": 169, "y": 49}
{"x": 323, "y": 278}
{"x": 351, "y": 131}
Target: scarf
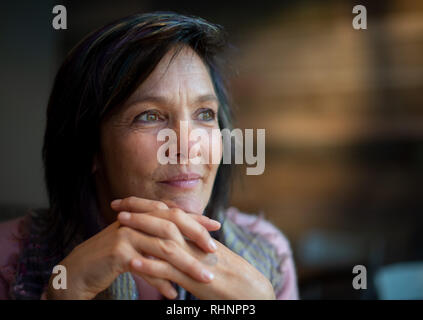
{"x": 35, "y": 264}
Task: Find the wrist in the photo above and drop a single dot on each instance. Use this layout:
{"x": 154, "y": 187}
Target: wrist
{"x": 71, "y": 292}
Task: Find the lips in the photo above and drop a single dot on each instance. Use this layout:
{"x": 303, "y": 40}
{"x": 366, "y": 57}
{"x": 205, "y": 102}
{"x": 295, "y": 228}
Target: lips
{"x": 183, "y": 180}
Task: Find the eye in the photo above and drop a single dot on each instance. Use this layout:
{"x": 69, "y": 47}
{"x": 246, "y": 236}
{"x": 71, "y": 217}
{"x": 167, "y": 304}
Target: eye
{"x": 149, "y": 116}
{"x": 206, "y": 115}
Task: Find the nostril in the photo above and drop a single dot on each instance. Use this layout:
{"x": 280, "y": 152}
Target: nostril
{"x": 179, "y": 157}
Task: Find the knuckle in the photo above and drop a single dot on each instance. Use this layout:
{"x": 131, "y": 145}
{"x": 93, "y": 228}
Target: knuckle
{"x": 122, "y": 233}
{"x": 177, "y": 214}
{"x": 159, "y": 205}
{"x": 167, "y": 247}
{"x": 176, "y": 211}
{"x": 171, "y": 229}
{"x": 203, "y": 233}
{"x": 130, "y": 201}
{"x": 118, "y": 253}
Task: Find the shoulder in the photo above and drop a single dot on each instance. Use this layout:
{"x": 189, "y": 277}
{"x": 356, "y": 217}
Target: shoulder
{"x": 259, "y": 226}
{"x": 11, "y": 234}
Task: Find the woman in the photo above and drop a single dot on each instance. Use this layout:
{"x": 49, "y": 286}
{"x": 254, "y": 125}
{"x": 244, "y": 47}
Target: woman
{"x": 123, "y": 225}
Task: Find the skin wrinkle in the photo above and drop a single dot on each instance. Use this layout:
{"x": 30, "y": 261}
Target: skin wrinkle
{"x": 210, "y": 259}
{"x": 127, "y": 160}
{"x": 125, "y": 163}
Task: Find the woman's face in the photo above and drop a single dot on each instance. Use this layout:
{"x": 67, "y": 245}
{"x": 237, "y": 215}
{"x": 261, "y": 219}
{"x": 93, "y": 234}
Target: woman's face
{"x": 127, "y": 165}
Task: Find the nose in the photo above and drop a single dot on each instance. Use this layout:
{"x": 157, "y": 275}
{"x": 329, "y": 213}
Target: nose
{"x": 185, "y": 147}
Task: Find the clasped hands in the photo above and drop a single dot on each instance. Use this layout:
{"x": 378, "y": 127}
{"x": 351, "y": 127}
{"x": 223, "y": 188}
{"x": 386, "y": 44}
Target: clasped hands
{"x": 161, "y": 245}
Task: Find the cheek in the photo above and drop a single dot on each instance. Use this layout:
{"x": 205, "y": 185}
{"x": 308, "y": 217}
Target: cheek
{"x": 131, "y": 157}
{"x": 215, "y": 153}
{"x": 139, "y": 152}
{"x": 216, "y": 146}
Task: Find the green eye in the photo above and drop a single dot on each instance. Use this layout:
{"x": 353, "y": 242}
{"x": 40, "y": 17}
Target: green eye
{"x": 149, "y": 116}
{"x": 206, "y": 115}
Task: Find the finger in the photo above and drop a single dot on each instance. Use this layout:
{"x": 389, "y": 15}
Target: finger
{"x": 136, "y": 204}
{"x": 158, "y": 269}
{"x": 151, "y": 225}
{"x": 170, "y": 251}
{"x": 189, "y": 227}
{"x": 164, "y": 286}
{"x": 206, "y": 222}
{"x": 141, "y": 205}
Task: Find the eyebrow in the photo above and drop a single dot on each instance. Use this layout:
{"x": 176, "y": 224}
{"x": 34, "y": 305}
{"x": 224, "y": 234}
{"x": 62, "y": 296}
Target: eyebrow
{"x": 165, "y": 101}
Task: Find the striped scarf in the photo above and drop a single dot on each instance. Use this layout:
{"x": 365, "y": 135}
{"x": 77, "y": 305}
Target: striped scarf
{"x": 35, "y": 263}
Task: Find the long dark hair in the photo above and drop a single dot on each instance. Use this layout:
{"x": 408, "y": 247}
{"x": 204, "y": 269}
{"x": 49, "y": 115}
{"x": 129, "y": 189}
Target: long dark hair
{"x": 97, "y": 76}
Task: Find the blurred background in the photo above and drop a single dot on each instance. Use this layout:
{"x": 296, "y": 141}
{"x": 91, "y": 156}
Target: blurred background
{"x": 342, "y": 109}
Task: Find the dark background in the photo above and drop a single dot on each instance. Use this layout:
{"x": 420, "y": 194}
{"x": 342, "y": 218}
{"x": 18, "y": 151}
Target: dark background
{"x": 342, "y": 109}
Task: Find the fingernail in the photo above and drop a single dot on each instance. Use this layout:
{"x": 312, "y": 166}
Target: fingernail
{"x": 215, "y": 222}
{"x": 116, "y": 202}
{"x": 137, "y": 263}
{"x": 212, "y": 245}
{"x": 124, "y": 215}
{"x": 172, "y": 293}
{"x": 207, "y": 275}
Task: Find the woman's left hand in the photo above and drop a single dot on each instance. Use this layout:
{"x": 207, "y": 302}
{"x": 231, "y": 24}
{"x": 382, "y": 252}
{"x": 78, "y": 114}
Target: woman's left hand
{"x": 235, "y": 278}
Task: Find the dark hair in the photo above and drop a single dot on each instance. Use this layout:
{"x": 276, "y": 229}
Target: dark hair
{"x": 97, "y": 76}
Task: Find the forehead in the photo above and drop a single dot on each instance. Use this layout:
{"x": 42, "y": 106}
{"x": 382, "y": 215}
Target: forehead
{"x": 178, "y": 70}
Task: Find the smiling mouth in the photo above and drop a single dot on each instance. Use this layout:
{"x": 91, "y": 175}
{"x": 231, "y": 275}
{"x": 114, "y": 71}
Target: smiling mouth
{"x": 183, "y": 181}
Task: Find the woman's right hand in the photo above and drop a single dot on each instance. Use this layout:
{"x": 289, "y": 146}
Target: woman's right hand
{"x": 93, "y": 265}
